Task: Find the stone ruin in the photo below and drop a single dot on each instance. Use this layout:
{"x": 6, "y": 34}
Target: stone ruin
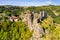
{"x": 32, "y": 20}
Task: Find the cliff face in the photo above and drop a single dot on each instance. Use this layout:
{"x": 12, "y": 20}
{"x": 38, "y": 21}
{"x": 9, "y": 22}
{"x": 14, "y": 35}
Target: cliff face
{"x": 31, "y": 19}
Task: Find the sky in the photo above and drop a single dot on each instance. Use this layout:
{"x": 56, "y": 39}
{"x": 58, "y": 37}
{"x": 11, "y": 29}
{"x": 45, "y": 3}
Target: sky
{"x": 29, "y": 2}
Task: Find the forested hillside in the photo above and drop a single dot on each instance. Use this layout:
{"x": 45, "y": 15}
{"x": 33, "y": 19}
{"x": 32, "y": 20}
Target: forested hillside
{"x": 26, "y": 23}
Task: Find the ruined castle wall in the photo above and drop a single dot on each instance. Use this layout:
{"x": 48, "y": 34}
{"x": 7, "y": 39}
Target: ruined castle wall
{"x": 34, "y": 26}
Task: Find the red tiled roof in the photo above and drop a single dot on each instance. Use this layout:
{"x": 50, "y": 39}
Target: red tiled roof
{"x": 13, "y": 17}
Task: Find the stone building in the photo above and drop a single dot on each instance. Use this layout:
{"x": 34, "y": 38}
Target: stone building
{"x": 13, "y": 18}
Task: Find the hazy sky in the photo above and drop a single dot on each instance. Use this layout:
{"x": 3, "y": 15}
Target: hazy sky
{"x": 29, "y": 2}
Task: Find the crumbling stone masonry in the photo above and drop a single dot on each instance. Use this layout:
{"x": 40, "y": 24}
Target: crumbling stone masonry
{"x": 32, "y": 21}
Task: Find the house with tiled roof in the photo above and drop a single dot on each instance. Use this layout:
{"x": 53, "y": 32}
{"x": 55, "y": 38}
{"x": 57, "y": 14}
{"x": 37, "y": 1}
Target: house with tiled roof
{"x": 13, "y": 18}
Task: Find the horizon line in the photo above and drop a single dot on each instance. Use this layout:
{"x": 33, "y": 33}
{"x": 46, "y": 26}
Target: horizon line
{"x": 30, "y": 5}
